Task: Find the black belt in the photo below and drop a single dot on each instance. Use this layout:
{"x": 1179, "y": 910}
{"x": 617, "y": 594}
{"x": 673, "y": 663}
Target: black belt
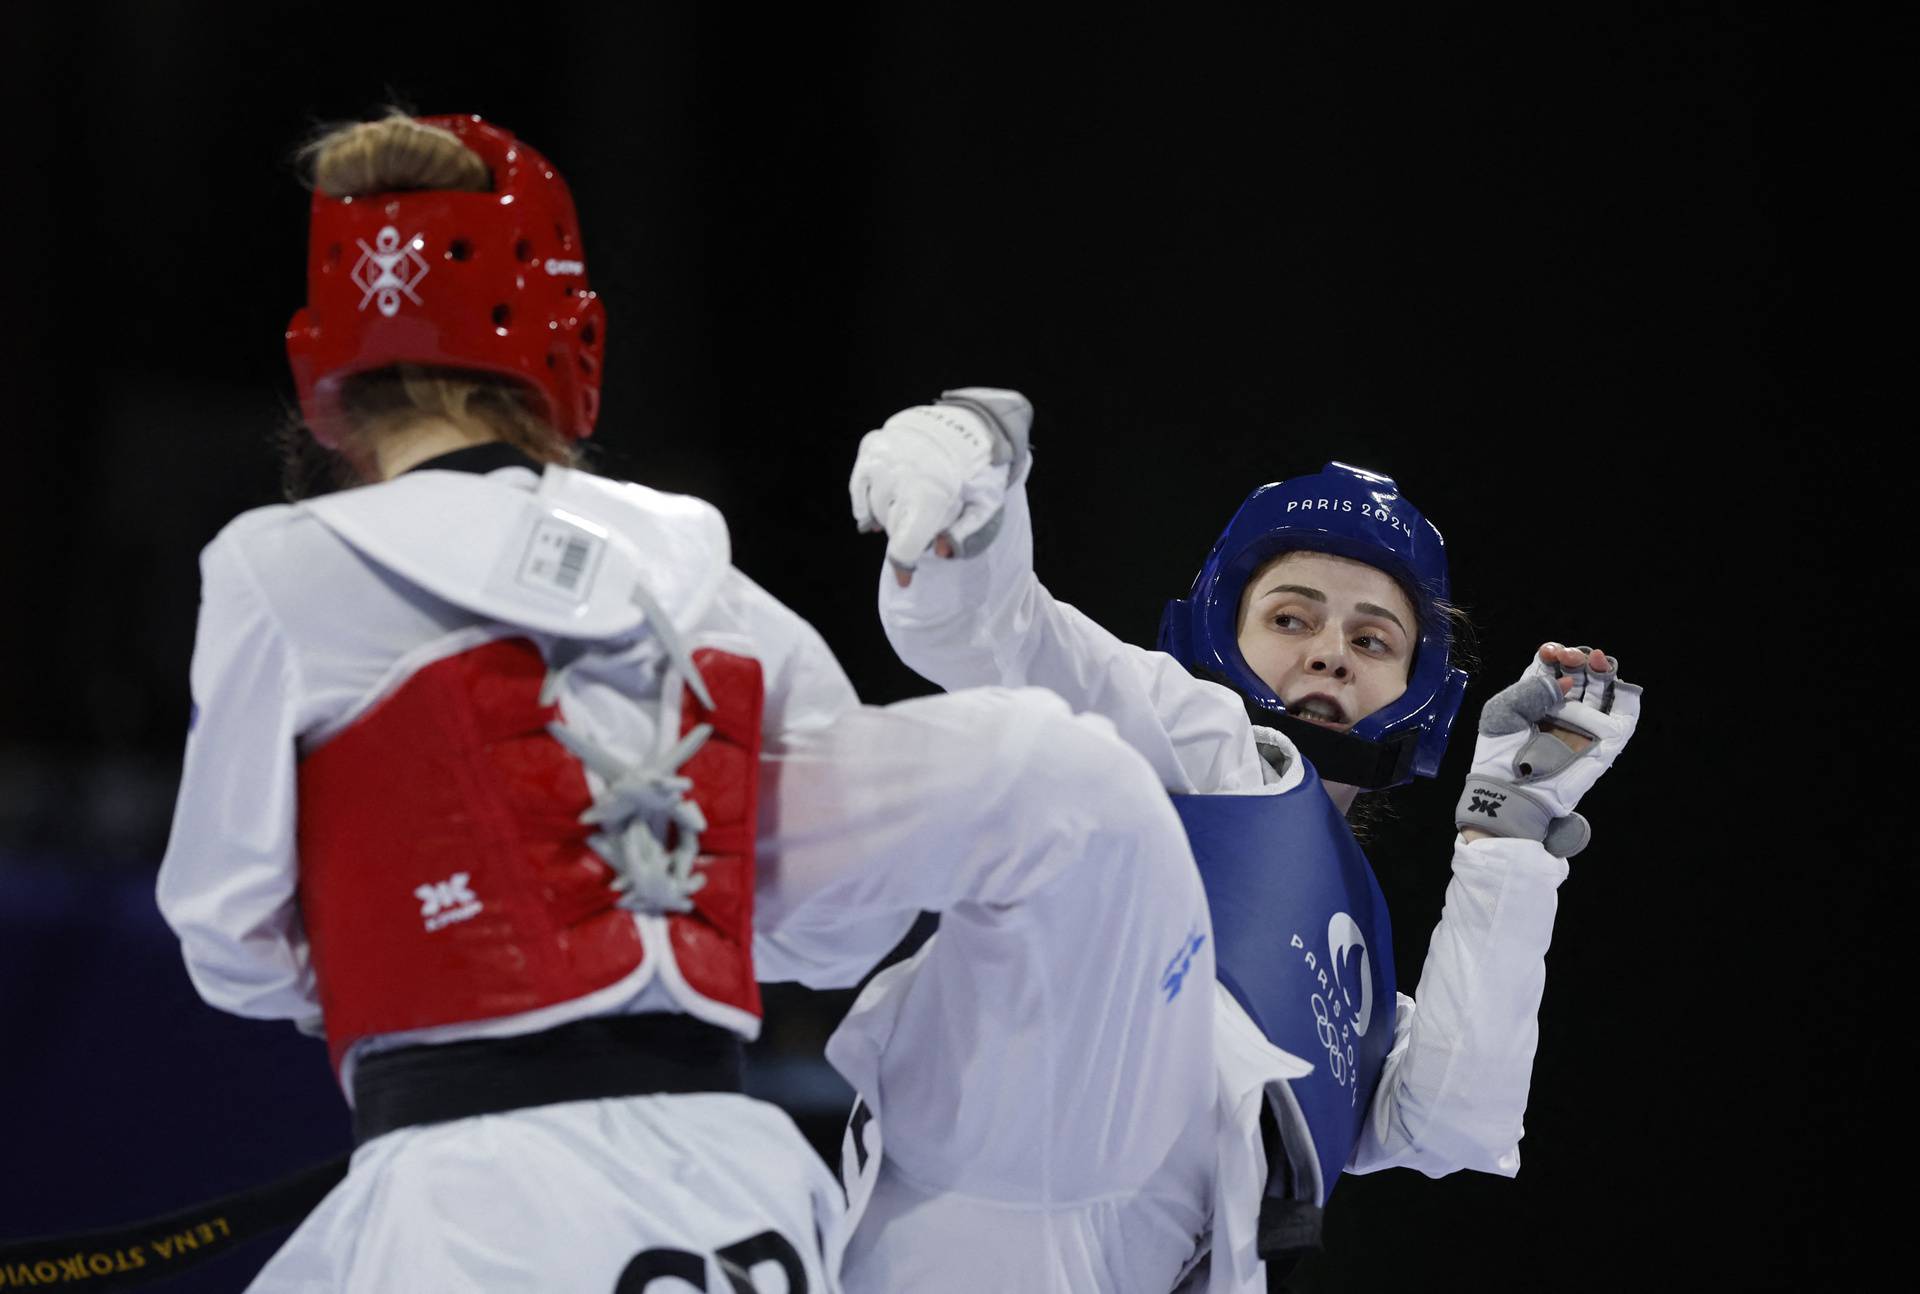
{"x": 628, "y": 1055}
{"x": 139, "y": 1253}
{"x": 1289, "y": 1226}
{"x": 608, "y": 1056}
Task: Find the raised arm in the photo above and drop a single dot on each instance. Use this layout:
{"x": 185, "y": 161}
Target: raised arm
{"x": 962, "y": 606}
{"x": 1454, "y": 1092}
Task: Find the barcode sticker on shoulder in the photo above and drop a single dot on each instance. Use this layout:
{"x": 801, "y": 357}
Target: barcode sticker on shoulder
{"x": 562, "y": 558}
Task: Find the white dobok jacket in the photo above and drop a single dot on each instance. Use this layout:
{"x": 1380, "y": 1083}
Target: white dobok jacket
{"x": 313, "y": 615}
{"x": 1454, "y": 1088}
{"x": 301, "y": 631}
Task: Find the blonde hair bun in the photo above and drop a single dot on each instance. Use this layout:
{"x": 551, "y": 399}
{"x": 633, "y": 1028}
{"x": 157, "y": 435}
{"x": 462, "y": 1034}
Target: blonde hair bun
{"x": 392, "y": 154}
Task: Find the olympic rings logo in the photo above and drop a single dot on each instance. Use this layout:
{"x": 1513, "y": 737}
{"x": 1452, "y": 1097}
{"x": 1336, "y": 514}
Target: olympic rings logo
{"x": 1338, "y": 1018}
{"x": 1340, "y": 1063}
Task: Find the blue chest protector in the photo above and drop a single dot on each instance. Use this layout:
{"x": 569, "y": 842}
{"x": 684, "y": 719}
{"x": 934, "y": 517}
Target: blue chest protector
{"x": 1303, "y": 943}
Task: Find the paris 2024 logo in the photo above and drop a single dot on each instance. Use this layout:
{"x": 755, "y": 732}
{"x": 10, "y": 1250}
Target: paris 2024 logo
{"x": 1343, "y": 1004}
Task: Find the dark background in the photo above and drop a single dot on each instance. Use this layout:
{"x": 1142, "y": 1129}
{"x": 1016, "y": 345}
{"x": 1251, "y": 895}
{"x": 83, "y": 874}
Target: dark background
{"x": 1582, "y": 282}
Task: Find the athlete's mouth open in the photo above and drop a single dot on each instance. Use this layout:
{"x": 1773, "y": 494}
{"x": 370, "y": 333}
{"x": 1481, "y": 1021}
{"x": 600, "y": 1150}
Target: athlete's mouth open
{"x": 1318, "y": 708}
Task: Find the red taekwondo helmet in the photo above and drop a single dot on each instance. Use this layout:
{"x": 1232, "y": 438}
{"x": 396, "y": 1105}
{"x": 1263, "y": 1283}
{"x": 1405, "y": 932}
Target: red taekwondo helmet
{"x": 493, "y": 281}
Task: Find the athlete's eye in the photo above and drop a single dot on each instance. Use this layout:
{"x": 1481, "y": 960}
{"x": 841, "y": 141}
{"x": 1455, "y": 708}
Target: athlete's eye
{"x": 1288, "y": 621}
{"x": 1374, "y": 644}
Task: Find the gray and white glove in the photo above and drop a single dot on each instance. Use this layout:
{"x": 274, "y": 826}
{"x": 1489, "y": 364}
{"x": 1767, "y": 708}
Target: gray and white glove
{"x": 1525, "y": 780}
{"x": 941, "y": 469}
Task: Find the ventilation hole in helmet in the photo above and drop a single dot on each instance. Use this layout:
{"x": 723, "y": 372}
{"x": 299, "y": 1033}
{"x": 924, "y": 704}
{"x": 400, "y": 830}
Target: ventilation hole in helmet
{"x": 587, "y": 364}
{"x": 553, "y": 360}
{"x": 502, "y": 317}
{"x": 588, "y": 334}
{"x": 523, "y": 250}
{"x": 460, "y": 249}
{"x": 333, "y": 254}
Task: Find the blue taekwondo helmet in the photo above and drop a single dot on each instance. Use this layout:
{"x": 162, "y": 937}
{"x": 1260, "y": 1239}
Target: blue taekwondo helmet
{"x": 1352, "y": 513}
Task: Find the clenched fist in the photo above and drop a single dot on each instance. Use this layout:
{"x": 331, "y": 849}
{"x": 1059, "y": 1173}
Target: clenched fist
{"x": 935, "y": 475}
{"x": 1543, "y": 742}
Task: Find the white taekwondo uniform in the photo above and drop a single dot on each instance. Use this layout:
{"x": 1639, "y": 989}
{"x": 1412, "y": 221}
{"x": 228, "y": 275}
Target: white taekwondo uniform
{"x": 865, "y": 817}
{"x": 1092, "y": 1208}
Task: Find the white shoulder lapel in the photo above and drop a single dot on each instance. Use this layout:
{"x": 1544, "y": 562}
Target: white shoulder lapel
{"x": 562, "y": 559}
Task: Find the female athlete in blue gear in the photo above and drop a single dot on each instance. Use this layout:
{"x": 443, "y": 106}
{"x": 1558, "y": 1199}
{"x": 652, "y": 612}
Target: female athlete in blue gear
{"x": 1311, "y": 661}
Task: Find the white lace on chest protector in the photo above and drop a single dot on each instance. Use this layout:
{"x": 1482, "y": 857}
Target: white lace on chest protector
{"x": 615, "y": 571}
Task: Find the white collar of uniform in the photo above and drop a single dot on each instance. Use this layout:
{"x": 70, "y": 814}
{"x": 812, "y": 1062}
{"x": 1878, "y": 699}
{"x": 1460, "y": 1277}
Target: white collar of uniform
{"x": 1283, "y": 767}
{"x": 561, "y": 553}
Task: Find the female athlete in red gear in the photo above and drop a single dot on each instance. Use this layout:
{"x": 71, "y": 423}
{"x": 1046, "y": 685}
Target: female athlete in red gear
{"x": 508, "y": 783}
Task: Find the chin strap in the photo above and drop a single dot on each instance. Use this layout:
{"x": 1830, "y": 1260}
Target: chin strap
{"x": 1343, "y": 757}
{"x": 1336, "y": 756}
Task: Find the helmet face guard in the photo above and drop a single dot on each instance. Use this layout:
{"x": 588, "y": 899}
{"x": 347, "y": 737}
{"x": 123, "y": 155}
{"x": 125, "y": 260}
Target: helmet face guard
{"x": 1346, "y": 512}
{"x": 492, "y": 282}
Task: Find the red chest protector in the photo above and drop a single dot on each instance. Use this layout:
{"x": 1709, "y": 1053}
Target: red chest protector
{"x": 445, "y": 876}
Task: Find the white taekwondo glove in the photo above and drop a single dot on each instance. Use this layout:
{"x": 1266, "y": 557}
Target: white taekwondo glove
{"x": 1525, "y": 782}
{"x": 941, "y": 468}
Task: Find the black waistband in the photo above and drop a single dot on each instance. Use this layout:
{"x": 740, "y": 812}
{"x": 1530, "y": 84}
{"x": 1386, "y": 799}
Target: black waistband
{"x": 623, "y": 1055}
{"x": 1289, "y": 1227}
